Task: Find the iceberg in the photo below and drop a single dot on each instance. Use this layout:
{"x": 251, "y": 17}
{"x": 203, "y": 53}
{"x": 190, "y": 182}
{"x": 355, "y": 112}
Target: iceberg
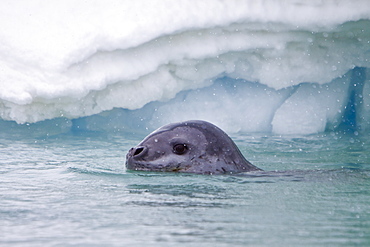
{"x": 285, "y": 67}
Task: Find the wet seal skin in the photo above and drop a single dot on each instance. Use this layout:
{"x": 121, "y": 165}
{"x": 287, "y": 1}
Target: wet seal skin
{"x": 192, "y": 147}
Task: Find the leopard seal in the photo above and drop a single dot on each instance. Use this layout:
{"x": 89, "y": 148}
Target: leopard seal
{"x": 191, "y": 147}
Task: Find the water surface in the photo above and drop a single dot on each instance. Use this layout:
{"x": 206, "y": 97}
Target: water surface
{"x": 73, "y": 190}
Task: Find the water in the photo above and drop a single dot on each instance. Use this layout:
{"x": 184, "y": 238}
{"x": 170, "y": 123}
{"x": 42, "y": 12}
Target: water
{"x": 73, "y": 190}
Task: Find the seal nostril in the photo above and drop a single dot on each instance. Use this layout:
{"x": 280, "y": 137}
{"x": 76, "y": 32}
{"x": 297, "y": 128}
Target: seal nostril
{"x": 138, "y": 151}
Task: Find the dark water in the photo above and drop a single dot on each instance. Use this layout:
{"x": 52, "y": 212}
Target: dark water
{"x": 73, "y": 190}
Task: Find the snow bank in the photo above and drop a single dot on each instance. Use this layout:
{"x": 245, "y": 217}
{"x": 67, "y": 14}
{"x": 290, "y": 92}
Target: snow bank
{"x": 72, "y": 59}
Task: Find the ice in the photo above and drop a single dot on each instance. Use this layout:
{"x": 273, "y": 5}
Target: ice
{"x": 232, "y": 105}
{"x": 253, "y": 66}
{"x": 365, "y": 107}
{"x": 312, "y": 108}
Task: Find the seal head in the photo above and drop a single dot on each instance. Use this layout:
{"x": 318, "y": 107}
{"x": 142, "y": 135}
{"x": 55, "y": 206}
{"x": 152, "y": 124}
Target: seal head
{"x": 192, "y": 147}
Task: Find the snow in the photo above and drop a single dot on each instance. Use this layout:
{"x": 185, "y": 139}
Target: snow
{"x": 275, "y": 66}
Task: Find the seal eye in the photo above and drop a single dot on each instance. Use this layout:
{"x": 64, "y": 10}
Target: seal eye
{"x": 180, "y": 148}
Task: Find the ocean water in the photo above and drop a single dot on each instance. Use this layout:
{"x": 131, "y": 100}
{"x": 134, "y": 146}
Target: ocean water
{"x": 73, "y": 190}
